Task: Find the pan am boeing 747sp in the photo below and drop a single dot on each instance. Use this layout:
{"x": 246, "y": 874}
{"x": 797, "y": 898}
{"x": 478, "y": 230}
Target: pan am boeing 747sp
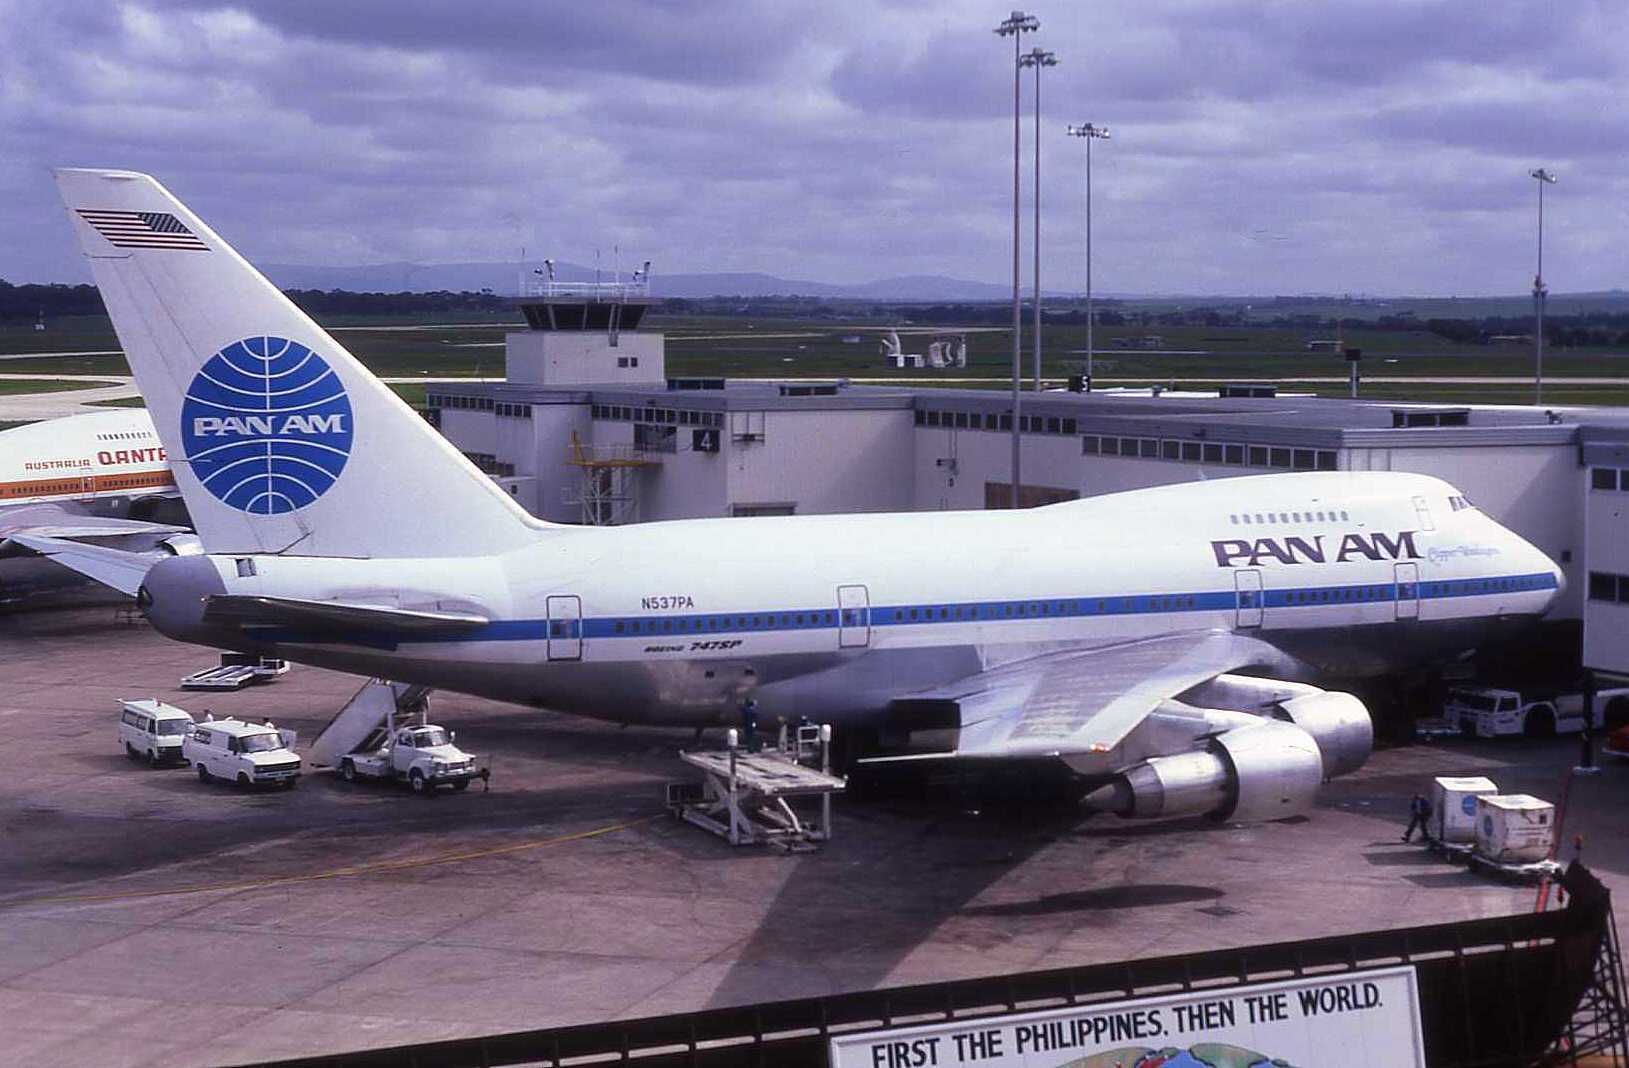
{"x": 1143, "y": 640}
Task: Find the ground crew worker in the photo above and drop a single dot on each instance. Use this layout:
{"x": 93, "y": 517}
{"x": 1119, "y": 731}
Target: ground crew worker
{"x": 1419, "y": 810}
{"x": 1586, "y": 748}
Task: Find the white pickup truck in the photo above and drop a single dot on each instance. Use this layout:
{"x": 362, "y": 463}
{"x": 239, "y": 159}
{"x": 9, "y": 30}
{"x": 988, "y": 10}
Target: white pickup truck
{"x": 424, "y": 757}
{"x": 1488, "y": 711}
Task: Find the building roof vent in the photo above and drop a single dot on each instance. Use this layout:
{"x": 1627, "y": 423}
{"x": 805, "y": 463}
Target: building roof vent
{"x": 817, "y": 389}
{"x": 1249, "y": 389}
{"x": 1411, "y": 417}
{"x": 695, "y": 383}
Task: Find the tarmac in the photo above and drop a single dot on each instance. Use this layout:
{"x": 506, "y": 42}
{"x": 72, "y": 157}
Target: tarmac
{"x": 149, "y": 919}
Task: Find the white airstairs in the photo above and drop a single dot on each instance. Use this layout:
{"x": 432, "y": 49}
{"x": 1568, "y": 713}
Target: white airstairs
{"x": 368, "y": 717}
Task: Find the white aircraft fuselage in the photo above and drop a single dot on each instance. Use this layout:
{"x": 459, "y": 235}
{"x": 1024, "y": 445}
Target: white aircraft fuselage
{"x": 830, "y": 617}
{"x": 1151, "y": 641}
{"x": 69, "y": 473}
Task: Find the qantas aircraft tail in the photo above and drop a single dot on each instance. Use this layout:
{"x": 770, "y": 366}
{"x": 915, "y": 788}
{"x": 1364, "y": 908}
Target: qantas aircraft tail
{"x": 281, "y": 441}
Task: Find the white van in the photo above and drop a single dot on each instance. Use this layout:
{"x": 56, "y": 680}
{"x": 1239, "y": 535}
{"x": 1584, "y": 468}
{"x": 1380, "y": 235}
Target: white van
{"x": 153, "y": 731}
{"x": 249, "y": 754}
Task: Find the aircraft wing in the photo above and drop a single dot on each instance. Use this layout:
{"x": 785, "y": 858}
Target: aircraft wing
{"x": 330, "y": 616}
{"x": 1081, "y": 702}
{"x": 54, "y": 521}
{"x": 117, "y": 568}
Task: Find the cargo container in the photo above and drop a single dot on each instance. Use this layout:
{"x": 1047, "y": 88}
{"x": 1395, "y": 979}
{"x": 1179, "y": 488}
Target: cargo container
{"x": 1514, "y": 828}
{"x": 1453, "y": 806}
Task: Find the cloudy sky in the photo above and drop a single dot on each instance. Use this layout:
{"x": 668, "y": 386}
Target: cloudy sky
{"x": 1258, "y": 146}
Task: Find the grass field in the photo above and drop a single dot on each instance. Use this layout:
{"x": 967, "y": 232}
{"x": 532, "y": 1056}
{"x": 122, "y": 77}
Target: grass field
{"x": 18, "y": 386}
{"x": 795, "y": 348}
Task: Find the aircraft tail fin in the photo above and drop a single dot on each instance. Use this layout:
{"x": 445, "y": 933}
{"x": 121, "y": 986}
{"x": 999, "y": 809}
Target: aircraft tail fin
{"x": 281, "y": 441}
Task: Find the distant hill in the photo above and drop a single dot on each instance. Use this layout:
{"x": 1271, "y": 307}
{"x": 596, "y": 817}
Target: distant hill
{"x": 504, "y": 278}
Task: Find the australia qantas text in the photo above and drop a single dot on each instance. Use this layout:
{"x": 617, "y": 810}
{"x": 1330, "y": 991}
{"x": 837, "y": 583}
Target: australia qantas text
{"x": 65, "y": 479}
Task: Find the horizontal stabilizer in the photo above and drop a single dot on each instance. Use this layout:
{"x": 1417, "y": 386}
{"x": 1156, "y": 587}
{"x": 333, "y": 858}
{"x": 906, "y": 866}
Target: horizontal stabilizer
{"x": 54, "y": 520}
{"x": 110, "y": 528}
{"x": 248, "y": 610}
{"x": 111, "y": 567}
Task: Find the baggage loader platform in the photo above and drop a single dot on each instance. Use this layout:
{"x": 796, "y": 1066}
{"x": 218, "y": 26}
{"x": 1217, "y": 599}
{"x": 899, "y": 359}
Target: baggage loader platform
{"x": 747, "y": 798}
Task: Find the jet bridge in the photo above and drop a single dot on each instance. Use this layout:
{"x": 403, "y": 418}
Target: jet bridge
{"x": 747, "y": 797}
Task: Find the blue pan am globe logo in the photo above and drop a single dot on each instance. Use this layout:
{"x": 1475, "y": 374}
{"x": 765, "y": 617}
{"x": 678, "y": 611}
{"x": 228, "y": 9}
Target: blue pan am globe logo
{"x": 266, "y": 425}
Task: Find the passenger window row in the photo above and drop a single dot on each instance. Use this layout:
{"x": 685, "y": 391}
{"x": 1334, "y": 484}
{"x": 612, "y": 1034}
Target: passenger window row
{"x": 1264, "y": 518}
{"x": 1027, "y": 424}
{"x": 1237, "y": 454}
{"x": 699, "y": 624}
{"x": 627, "y": 413}
{"x": 1339, "y": 595}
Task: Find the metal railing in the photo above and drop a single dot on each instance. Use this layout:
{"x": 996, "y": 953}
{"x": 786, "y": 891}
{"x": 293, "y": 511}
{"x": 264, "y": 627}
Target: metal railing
{"x": 597, "y": 292}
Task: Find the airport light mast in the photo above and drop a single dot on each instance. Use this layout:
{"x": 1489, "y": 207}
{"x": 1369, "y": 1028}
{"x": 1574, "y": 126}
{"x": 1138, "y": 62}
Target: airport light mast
{"x": 1038, "y": 58}
{"x": 1015, "y": 26}
{"x": 1540, "y": 293}
{"x": 1090, "y": 133}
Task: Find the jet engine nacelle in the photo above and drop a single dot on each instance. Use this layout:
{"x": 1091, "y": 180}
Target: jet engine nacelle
{"x": 1338, "y": 721}
{"x": 182, "y": 545}
{"x": 1264, "y": 771}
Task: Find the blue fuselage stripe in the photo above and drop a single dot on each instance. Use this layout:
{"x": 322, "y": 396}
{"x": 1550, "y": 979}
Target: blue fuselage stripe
{"x": 727, "y": 623}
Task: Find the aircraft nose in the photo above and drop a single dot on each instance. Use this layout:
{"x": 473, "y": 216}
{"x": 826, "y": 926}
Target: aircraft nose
{"x": 1542, "y": 563}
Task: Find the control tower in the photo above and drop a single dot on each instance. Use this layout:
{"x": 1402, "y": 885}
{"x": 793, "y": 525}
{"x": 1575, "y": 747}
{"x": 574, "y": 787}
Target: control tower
{"x": 585, "y": 333}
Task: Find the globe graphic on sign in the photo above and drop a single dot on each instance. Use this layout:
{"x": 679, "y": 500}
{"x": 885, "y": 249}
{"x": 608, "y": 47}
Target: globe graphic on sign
{"x": 266, "y": 425}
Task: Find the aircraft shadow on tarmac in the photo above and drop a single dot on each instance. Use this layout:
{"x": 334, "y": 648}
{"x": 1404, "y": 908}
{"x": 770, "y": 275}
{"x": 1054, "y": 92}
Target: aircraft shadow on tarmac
{"x": 1128, "y": 896}
{"x": 848, "y": 918}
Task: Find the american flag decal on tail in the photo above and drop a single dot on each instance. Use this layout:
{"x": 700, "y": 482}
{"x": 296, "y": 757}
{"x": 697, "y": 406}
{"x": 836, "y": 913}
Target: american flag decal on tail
{"x": 142, "y": 229}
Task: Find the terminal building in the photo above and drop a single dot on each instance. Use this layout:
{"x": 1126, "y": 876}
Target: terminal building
{"x": 589, "y": 428}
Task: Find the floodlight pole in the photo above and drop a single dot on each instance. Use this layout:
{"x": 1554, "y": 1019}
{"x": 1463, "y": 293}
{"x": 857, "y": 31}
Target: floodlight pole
{"x": 1090, "y": 133}
{"x": 1015, "y": 26}
{"x": 1038, "y": 58}
{"x": 1540, "y": 293}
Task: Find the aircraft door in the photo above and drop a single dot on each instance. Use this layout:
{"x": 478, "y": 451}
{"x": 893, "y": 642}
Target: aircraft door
{"x": 853, "y": 617}
{"x": 565, "y": 628}
{"x": 1248, "y": 597}
{"x": 1408, "y": 591}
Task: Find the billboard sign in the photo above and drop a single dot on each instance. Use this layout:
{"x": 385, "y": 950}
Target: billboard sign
{"x": 1351, "y": 1020}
